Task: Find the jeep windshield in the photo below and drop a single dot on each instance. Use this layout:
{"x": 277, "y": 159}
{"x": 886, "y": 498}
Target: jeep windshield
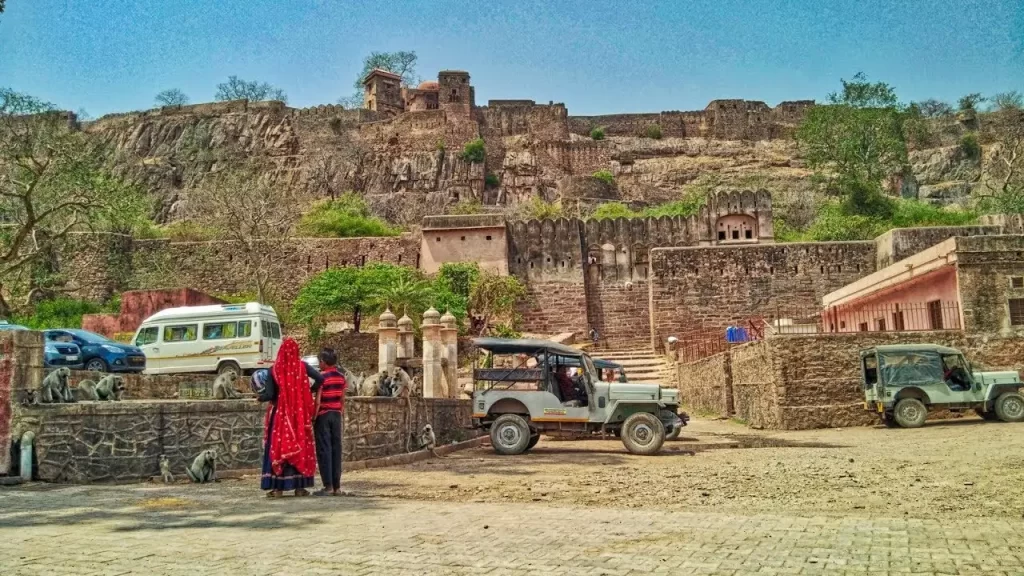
{"x": 910, "y": 367}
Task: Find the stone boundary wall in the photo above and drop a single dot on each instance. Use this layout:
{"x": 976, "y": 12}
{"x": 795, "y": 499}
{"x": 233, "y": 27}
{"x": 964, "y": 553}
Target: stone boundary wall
{"x": 705, "y": 386}
{"x": 21, "y": 364}
{"x": 814, "y": 381}
{"x": 900, "y": 243}
{"x": 122, "y": 441}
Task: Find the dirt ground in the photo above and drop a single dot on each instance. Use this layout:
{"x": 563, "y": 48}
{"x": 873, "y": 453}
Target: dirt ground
{"x": 962, "y": 468}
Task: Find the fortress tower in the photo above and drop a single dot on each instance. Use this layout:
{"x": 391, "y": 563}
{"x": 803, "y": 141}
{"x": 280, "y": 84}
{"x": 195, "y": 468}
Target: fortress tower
{"x": 382, "y": 93}
{"x": 454, "y": 90}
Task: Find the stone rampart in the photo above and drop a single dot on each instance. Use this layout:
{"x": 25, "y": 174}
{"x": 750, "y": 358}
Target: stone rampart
{"x": 900, "y": 243}
{"x": 814, "y": 381}
{"x": 705, "y": 386}
{"x": 21, "y": 364}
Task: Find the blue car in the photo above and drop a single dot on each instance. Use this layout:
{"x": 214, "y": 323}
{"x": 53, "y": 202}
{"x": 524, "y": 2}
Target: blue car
{"x": 100, "y": 354}
{"x": 62, "y": 355}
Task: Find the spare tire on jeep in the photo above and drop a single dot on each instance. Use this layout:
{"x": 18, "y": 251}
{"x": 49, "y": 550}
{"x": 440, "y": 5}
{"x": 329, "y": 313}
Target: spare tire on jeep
{"x": 643, "y": 434}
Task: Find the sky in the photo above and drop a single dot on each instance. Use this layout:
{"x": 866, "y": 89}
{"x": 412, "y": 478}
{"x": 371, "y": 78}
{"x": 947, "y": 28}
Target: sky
{"x": 596, "y": 56}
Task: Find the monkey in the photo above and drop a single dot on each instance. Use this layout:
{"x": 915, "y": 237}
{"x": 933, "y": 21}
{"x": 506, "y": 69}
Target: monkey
{"x": 87, "y": 390}
{"x": 29, "y": 399}
{"x": 428, "y": 441}
{"x": 401, "y": 384}
{"x": 55, "y": 389}
{"x": 204, "y": 467}
{"x": 368, "y": 387}
{"x": 165, "y": 470}
{"x": 354, "y": 383}
{"x": 110, "y": 387}
{"x": 224, "y": 387}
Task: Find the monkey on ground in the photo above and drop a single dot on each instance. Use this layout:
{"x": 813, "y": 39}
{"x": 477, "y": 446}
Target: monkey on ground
{"x": 110, "y": 387}
{"x": 224, "y": 387}
{"x": 204, "y": 467}
{"x": 428, "y": 441}
{"x": 165, "y": 469}
{"x": 55, "y": 388}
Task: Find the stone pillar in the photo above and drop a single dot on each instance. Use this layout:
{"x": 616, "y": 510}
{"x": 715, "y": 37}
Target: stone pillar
{"x": 387, "y": 342}
{"x": 433, "y": 375}
{"x": 406, "y": 338}
{"x": 450, "y": 354}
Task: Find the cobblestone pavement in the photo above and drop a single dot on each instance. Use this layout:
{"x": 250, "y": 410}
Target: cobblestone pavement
{"x": 228, "y": 528}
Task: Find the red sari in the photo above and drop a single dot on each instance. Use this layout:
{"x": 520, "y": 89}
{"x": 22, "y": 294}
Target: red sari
{"x": 289, "y": 419}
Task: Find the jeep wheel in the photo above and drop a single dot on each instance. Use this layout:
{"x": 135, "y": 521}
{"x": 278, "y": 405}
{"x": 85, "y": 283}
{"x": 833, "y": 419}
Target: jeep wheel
{"x": 910, "y": 413}
{"x": 1010, "y": 407}
{"x": 643, "y": 434}
{"x": 510, "y": 434}
{"x": 985, "y": 414}
{"x": 674, "y": 434}
{"x": 533, "y": 441}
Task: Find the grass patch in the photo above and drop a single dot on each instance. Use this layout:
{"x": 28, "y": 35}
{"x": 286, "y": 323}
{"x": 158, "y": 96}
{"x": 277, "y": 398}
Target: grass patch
{"x": 346, "y": 217}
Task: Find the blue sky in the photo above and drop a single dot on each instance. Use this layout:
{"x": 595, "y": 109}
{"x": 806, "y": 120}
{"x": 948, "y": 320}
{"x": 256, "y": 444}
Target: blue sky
{"x": 596, "y": 56}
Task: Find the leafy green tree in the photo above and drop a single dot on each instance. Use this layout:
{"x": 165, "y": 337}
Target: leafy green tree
{"x": 353, "y": 291}
{"x": 53, "y": 182}
{"x": 858, "y": 138}
{"x": 407, "y": 295}
{"x": 494, "y": 297}
{"x": 171, "y": 97}
{"x": 653, "y": 131}
{"x": 597, "y": 133}
{"x": 237, "y": 89}
{"x": 605, "y": 176}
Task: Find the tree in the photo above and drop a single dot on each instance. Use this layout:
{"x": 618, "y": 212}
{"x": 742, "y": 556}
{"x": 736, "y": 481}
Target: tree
{"x": 858, "y": 136}
{"x": 171, "y": 97}
{"x": 237, "y": 89}
{"x": 402, "y": 63}
{"x": 407, "y": 295}
{"x": 1011, "y": 100}
{"x": 53, "y": 182}
{"x": 933, "y": 108}
{"x": 243, "y": 207}
{"x": 350, "y": 290}
{"x": 493, "y": 297}
{"x": 970, "y": 101}
{"x": 1005, "y": 178}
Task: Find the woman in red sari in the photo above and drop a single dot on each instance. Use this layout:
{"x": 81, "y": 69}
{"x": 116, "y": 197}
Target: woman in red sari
{"x": 289, "y": 455}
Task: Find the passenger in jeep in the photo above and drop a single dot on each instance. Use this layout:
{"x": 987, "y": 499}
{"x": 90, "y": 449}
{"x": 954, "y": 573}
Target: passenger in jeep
{"x": 565, "y": 385}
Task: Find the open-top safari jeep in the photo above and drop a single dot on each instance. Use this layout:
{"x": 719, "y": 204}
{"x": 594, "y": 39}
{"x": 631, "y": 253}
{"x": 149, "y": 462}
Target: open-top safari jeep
{"x": 901, "y": 383}
{"x": 537, "y": 395}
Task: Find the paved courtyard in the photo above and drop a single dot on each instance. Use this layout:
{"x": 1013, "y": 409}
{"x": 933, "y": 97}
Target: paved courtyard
{"x": 474, "y": 513}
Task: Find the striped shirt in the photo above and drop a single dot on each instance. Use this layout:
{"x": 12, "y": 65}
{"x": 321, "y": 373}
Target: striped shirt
{"x": 332, "y": 392}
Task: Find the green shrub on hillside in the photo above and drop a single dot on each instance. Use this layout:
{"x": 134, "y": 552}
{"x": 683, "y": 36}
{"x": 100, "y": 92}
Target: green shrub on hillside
{"x": 469, "y": 206}
{"x": 605, "y": 176}
{"x": 539, "y": 208}
{"x": 653, "y": 131}
{"x": 474, "y": 151}
{"x": 491, "y": 180}
{"x": 597, "y": 133}
{"x": 346, "y": 217}
{"x": 969, "y": 146}
{"x": 834, "y": 222}
{"x": 611, "y": 210}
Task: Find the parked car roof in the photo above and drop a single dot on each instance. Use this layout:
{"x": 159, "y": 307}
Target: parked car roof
{"x": 913, "y": 348}
{"x": 525, "y": 346}
{"x": 83, "y": 334}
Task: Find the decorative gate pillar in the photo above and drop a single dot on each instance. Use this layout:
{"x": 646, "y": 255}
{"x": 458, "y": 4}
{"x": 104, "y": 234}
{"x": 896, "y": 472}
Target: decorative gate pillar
{"x": 433, "y": 374}
{"x": 406, "y": 338}
{"x": 450, "y": 356}
{"x": 387, "y": 342}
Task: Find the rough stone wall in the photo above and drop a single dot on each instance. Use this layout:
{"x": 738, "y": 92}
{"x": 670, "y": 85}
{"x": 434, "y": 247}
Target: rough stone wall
{"x": 356, "y": 352}
{"x": 212, "y": 266}
{"x": 21, "y": 365}
{"x": 814, "y": 381}
{"x": 709, "y": 288}
{"x": 619, "y": 313}
{"x": 122, "y": 442}
{"x": 554, "y": 307}
{"x": 900, "y": 243}
{"x": 985, "y": 266}
{"x": 705, "y": 386}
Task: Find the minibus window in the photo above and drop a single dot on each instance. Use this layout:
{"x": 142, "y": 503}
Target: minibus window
{"x": 147, "y": 336}
{"x": 182, "y": 333}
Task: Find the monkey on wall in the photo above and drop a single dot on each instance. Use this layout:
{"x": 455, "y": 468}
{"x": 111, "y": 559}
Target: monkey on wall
{"x": 204, "y": 467}
{"x": 111, "y": 387}
{"x": 224, "y": 387}
{"x": 165, "y": 469}
{"x": 55, "y": 388}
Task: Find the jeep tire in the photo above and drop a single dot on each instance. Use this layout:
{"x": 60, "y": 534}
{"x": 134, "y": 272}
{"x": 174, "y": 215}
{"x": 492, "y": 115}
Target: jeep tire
{"x": 643, "y": 434}
{"x": 510, "y": 434}
{"x": 1010, "y": 407}
{"x": 910, "y": 413}
{"x": 534, "y": 438}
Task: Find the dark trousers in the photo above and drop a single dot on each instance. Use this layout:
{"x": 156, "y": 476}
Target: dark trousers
{"x": 328, "y": 431}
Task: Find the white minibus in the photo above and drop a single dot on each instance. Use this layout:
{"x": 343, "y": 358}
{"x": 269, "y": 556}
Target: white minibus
{"x": 220, "y": 338}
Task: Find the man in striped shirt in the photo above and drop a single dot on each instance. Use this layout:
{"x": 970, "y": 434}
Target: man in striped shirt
{"x": 329, "y": 425}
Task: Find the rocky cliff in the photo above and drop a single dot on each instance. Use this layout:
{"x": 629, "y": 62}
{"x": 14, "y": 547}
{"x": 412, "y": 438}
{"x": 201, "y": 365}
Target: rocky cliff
{"x": 412, "y": 165}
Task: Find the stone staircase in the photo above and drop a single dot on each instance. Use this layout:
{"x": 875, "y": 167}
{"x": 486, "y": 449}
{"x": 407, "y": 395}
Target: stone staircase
{"x": 641, "y": 365}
